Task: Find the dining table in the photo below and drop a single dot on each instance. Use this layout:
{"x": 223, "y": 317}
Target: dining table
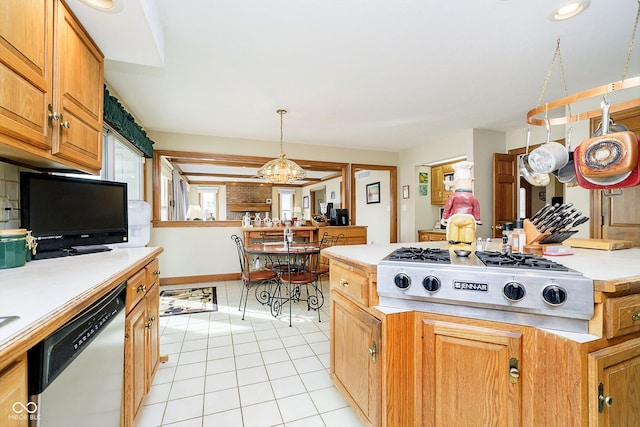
{"x": 291, "y": 260}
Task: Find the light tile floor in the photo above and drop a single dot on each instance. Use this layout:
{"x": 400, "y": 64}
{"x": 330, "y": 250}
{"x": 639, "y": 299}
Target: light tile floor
{"x": 258, "y": 372}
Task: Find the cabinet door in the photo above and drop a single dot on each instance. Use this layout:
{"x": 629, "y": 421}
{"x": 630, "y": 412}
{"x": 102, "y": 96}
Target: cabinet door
{"x": 467, "y": 375}
{"x": 135, "y": 373}
{"x": 614, "y": 385}
{"x": 355, "y": 365}
{"x": 152, "y": 301}
{"x": 437, "y": 186}
{"x": 13, "y": 388}
{"x": 26, "y": 35}
{"x": 78, "y": 94}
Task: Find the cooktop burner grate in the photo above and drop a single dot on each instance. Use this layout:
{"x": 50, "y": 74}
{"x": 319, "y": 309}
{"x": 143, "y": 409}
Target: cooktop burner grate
{"x": 439, "y": 256}
{"x": 531, "y": 261}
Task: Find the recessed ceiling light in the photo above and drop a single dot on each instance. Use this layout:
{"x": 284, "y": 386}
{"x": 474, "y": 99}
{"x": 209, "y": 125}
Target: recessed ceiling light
{"x": 104, "y": 5}
{"x": 569, "y": 10}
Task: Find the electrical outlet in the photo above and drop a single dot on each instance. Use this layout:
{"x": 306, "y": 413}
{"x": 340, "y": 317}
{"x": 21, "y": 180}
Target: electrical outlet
{"x": 5, "y": 209}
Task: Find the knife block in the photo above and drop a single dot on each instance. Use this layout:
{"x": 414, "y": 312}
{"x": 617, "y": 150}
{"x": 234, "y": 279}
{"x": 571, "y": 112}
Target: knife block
{"x": 533, "y": 235}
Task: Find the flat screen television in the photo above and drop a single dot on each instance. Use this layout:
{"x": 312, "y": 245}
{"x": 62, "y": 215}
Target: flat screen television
{"x": 69, "y": 216}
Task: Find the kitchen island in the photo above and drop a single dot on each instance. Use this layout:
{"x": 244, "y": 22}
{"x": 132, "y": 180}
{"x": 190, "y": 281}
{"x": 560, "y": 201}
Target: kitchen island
{"x": 45, "y": 294}
{"x": 409, "y": 367}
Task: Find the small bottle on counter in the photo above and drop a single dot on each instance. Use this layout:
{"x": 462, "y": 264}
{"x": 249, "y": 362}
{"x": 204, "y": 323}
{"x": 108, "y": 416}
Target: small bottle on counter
{"x": 518, "y": 236}
{"x": 507, "y": 231}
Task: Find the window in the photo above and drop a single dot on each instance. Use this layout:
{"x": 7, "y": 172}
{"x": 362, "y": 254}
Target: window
{"x": 208, "y": 200}
{"x": 123, "y": 163}
{"x": 286, "y": 204}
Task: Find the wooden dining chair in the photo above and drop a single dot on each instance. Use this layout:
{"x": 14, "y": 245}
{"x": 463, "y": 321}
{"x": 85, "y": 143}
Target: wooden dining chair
{"x": 268, "y": 278}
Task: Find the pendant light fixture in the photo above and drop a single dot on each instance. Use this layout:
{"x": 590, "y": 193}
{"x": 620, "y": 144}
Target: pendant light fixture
{"x": 281, "y": 170}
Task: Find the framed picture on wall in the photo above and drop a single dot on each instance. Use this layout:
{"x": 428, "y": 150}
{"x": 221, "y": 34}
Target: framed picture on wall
{"x": 373, "y": 193}
{"x": 305, "y": 202}
{"x": 333, "y": 195}
{"x": 405, "y": 191}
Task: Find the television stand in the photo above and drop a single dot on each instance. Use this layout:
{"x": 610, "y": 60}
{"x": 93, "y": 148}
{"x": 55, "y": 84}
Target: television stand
{"x": 88, "y": 249}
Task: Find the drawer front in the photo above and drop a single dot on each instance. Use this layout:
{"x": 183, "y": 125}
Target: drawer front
{"x": 350, "y": 282}
{"x": 622, "y": 315}
{"x": 136, "y": 289}
{"x": 153, "y": 273}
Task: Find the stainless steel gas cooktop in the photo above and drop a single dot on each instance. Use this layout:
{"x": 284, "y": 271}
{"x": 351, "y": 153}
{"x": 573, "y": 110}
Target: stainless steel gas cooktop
{"x": 523, "y": 289}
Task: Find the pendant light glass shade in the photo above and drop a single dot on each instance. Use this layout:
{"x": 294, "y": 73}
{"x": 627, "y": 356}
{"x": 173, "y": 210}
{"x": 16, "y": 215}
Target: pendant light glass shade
{"x": 281, "y": 170}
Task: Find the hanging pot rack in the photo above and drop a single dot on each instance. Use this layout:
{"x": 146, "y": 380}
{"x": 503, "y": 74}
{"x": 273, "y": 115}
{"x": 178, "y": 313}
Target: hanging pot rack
{"x": 603, "y": 91}
{"x": 581, "y": 96}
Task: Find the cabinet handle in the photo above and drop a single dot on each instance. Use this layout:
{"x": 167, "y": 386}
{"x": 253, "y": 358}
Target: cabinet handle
{"x": 606, "y": 400}
{"x": 603, "y": 400}
{"x": 344, "y": 283}
{"x": 65, "y": 125}
{"x": 148, "y": 325}
{"x": 152, "y": 318}
{"x": 141, "y": 288}
{"x": 514, "y": 372}
{"x": 156, "y": 273}
{"x": 635, "y": 316}
{"x": 373, "y": 351}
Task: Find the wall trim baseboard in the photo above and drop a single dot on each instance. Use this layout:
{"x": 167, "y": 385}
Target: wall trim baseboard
{"x": 199, "y": 279}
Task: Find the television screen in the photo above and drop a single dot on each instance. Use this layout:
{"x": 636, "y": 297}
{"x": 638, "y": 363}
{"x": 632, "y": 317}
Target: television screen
{"x": 64, "y": 213}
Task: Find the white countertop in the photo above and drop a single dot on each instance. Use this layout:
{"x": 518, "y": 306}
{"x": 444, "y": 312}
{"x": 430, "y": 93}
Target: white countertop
{"x": 593, "y": 263}
{"x": 40, "y": 288}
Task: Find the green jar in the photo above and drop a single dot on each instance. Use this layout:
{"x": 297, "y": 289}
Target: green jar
{"x": 13, "y": 248}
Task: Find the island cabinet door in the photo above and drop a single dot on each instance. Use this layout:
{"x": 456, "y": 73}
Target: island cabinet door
{"x": 470, "y": 376}
{"x": 355, "y": 365}
{"x": 614, "y": 385}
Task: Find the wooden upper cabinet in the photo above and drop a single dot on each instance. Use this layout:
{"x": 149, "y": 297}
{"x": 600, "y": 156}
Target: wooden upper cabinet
{"x": 26, "y": 49}
{"x": 439, "y": 191}
{"x": 78, "y": 95}
{"x": 51, "y": 88}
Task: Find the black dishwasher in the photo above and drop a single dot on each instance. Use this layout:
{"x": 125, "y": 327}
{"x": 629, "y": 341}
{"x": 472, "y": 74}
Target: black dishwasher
{"x": 76, "y": 373}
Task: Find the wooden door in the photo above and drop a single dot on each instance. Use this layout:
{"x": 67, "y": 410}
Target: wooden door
{"x": 466, "y": 374}
{"x": 620, "y": 214}
{"x": 78, "y": 95}
{"x": 13, "y": 388}
{"x": 26, "y": 43}
{"x": 355, "y": 338}
{"x": 505, "y": 191}
{"x": 614, "y": 385}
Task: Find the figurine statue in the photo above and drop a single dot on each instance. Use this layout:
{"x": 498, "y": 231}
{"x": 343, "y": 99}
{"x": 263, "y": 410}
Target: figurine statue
{"x": 462, "y": 211}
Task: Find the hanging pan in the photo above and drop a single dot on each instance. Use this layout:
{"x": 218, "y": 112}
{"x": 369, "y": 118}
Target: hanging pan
{"x": 567, "y": 173}
{"x": 532, "y": 177}
{"x": 608, "y": 158}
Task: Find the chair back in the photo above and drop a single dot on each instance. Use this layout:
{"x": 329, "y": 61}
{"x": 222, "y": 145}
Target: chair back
{"x": 242, "y": 256}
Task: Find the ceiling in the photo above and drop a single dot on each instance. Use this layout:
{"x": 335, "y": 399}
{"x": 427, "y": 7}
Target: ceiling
{"x": 366, "y": 74}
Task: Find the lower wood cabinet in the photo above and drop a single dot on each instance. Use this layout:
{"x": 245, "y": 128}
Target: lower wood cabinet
{"x": 431, "y": 236}
{"x": 142, "y": 343}
{"x": 355, "y": 368}
{"x": 614, "y": 385}
{"x": 13, "y": 388}
{"x": 470, "y": 375}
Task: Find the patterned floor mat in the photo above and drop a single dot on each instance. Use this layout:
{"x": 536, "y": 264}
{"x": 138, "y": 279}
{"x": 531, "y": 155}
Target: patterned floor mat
{"x": 187, "y": 301}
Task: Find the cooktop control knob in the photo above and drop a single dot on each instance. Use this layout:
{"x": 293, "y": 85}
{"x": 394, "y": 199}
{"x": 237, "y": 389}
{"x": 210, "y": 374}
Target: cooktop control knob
{"x": 431, "y": 283}
{"x": 513, "y": 291}
{"x": 402, "y": 280}
{"x": 554, "y": 295}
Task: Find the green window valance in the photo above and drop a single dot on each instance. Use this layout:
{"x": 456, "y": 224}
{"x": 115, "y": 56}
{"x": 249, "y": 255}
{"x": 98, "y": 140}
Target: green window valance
{"x": 122, "y": 121}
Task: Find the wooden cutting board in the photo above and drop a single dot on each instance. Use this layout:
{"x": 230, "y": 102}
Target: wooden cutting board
{"x": 604, "y": 244}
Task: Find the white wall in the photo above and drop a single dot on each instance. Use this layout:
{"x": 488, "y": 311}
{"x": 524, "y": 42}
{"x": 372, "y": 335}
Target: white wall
{"x": 375, "y": 216}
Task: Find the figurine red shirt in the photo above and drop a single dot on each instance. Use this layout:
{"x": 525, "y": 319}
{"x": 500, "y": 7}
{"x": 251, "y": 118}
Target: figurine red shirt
{"x": 462, "y": 202}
